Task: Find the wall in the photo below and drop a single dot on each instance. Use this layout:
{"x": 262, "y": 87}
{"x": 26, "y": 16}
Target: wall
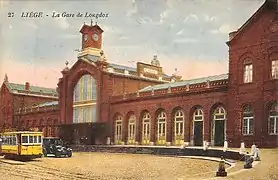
{"x": 45, "y": 118}
{"x": 207, "y": 98}
{"x": 254, "y": 42}
{"x": 6, "y": 107}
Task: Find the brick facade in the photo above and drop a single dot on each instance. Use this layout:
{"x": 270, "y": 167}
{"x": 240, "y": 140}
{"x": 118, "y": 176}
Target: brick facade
{"x": 125, "y": 92}
{"x": 20, "y": 108}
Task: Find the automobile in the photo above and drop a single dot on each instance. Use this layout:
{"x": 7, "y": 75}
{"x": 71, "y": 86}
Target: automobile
{"x": 55, "y": 146}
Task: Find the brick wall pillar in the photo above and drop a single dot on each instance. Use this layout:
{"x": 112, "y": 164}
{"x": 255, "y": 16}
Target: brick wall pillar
{"x": 153, "y": 126}
{"x": 169, "y": 127}
{"x": 206, "y": 124}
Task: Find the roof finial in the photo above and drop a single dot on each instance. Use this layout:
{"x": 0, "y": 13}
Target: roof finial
{"x": 66, "y": 63}
{"x": 6, "y": 78}
{"x": 96, "y": 23}
{"x": 91, "y": 22}
{"x": 84, "y": 23}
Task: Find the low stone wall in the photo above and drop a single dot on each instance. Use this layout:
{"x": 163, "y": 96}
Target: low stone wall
{"x": 168, "y": 151}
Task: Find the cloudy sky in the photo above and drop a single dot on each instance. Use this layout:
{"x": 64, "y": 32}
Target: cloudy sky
{"x": 186, "y": 34}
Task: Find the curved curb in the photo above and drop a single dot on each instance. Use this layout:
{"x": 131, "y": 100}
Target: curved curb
{"x": 255, "y": 163}
{"x": 209, "y": 159}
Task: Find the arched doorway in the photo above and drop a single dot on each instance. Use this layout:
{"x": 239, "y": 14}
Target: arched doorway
{"x": 219, "y": 126}
{"x": 146, "y": 128}
{"x": 198, "y": 127}
{"x": 161, "y": 128}
{"x": 131, "y": 129}
{"x": 179, "y": 128}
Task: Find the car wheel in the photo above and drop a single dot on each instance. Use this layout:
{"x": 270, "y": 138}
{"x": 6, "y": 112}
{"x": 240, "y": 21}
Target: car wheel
{"x": 57, "y": 154}
{"x": 69, "y": 153}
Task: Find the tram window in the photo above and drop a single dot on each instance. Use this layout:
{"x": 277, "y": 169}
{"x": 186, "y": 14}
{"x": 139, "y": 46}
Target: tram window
{"x": 31, "y": 139}
{"x": 24, "y": 139}
{"x": 35, "y": 139}
{"x": 13, "y": 140}
{"x": 39, "y": 139}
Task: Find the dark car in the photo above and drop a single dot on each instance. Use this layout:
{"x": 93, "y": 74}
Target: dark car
{"x": 55, "y": 146}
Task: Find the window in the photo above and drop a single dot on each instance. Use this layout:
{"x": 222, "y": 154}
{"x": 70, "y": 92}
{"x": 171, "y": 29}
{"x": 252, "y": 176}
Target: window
{"x": 248, "y": 73}
{"x": 131, "y": 127}
{"x": 273, "y": 119}
{"x": 146, "y": 126}
{"x": 179, "y": 123}
{"x": 31, "y": 139}
{"x": 161, "y": 124}
{"x": 248, "y": 121}
{"x": 118, "y": 130}
{"x": 24, "y": 139}
{"x": 274, "y": 69}
{"x": 39, "y": 139}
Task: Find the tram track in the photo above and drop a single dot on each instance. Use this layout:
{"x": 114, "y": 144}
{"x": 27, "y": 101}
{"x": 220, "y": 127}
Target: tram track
{"x": 31, "y": 170}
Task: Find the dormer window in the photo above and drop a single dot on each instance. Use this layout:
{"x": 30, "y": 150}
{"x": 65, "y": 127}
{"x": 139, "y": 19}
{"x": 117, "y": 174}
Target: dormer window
{"x": 248, "y": 71}
{"x": 274, "y": 69}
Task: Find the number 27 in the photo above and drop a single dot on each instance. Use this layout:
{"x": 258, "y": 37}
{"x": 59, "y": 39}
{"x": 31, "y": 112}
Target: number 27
{"x": 10, "y": 14}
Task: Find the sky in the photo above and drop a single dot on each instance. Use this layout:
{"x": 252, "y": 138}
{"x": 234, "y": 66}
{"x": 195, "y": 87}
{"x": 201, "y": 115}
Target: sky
{"x": 189, "y": 35}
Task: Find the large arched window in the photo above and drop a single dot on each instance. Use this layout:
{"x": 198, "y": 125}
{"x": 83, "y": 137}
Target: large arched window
{"x": 85, "y": 100}
{"x": 146, "y": 128}
{"x": 179, "y": 127}
{"x": 248, "y": 121}
{"x": 273, "y": 119}
{"x": 161, "y": 130}
{"x": 131, "y": 129}
{"x": 118, "y": 130}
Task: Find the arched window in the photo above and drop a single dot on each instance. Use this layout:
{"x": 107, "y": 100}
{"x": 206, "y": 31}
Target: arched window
{"x": 161, "y": 130}
{"x": 118, "y": 129}
{"x": 219, "y": 114}
{"x": 274, "y": 69}
{"x": 248, "y": 70}
{"x": 179, "y": 127}
{"x": 198, "y": 115}
{"x": 248, "y": 121}
{"x": 131, "y": 129}
{"x": 146, "y": 128}
{"x": 85, "y": 100}
{"x": 273, "y": 119}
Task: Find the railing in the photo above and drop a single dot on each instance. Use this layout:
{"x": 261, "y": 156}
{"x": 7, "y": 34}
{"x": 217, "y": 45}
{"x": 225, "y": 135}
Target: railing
{"x": 204, "y": 86}
{"x": 36, "y": 109}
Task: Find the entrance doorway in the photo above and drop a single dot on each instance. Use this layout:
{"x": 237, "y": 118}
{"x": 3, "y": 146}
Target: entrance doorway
{"x": 219, "y": 127}
{"x": 198, "y": 133}
{"x": 198, "y": 126}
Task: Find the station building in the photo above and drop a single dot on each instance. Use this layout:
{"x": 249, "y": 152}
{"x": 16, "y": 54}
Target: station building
{"x": 98, "y": 99}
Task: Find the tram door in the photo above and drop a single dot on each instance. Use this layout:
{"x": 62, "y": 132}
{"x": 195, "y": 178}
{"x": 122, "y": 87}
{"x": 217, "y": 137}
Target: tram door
{"x": 198, "y": 133}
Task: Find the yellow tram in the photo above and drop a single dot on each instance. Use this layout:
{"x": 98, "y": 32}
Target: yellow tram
{"x": 22, "y": 144}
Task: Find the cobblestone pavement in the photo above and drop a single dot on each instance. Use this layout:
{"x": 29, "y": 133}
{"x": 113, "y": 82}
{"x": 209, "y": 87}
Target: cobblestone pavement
{"x": 107, "y": 166}
{"x": 112, "y": 166}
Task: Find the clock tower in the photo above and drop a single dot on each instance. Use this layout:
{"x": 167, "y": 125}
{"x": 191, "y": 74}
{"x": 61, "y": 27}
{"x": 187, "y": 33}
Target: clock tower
{"x": 91, "y": 39}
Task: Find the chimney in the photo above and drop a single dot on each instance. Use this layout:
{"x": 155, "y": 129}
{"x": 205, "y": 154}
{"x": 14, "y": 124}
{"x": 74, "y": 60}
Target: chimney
{"x": 27, "y": 86}
{"x": 232, "y": 35}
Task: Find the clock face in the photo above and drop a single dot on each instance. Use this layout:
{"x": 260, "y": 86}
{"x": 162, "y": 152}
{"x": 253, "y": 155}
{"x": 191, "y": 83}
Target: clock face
{"x": 95, "y": 37}
{"x": 85, "y": 37}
